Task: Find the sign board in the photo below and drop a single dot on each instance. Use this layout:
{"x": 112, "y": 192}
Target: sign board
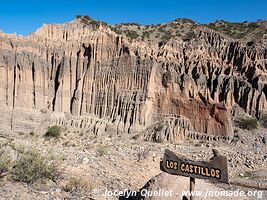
{"x": 215, "y": 169}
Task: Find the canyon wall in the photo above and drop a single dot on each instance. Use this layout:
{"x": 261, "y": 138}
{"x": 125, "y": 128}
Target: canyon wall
{"x": 132, "y": 85}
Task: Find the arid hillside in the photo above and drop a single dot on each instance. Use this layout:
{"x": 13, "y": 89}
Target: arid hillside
{"x": 167, "y": 81}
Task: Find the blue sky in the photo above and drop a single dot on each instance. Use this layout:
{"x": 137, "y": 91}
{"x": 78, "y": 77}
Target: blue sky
{"x": 25, "y": 16}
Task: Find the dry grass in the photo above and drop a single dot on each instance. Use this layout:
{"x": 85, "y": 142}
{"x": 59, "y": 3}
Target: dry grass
{"x": 78, "y": 184}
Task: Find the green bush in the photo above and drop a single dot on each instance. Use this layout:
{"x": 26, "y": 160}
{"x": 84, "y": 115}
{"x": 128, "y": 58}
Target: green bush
{"x": 32, "y": 166}
{"x": 53, "y": 131}
{"x": 248, "y": 123}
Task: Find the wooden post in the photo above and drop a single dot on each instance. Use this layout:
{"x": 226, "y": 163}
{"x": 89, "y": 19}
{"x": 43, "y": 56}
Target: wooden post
{"x": 192, "y": 187}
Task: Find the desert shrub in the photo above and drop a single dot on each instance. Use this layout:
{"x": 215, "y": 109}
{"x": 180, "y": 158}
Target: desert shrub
{"x": 5, "y": 163}
{"x": 43, "y": 111}
{"x": 131, "y": 24}
{"x": 116, "y": 30}
{"x": 90, "y": 21}
{"x": 32, "y": 166}
{"x": 247, "y": 123}
{"x": 161, "y": 29}
{"x": 131, "y": 34}
{"x": 53, "y": 131}
{"x": 165, "y": 37}
{"x": 235, "y": 131}
{"x": 77, "y": 184}
{"x": 142, "y": 154}
{"x": 190, "y": 35}
{"x": 253, "y": 25}
{"x": 101, "y": 150}
{"x": 146, "y": 34}
{"x": 263, "y": 121}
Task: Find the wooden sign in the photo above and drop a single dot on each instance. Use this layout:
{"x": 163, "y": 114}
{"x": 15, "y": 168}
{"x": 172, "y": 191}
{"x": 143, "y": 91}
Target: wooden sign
{"x": 215, "y": 169}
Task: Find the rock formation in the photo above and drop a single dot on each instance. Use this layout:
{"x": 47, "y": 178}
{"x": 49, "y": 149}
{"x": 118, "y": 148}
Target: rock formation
{"x": 99, "y": 76}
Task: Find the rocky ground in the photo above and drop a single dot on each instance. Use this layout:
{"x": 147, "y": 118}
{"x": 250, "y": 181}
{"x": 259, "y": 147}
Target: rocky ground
{"x": 121, "y": 163}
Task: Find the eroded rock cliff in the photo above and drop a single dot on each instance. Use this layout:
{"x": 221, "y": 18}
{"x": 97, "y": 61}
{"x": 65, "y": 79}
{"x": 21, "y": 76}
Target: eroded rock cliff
{"x": 132, "y": 85}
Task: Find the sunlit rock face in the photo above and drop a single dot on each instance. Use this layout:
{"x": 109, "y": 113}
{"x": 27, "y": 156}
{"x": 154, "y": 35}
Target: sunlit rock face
{"x": 132, "y": 85}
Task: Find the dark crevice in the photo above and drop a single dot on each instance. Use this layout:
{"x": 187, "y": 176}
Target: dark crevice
{"x": 52, "y": 64}
{"x": 166, "y": 79}
{"x": 250, "y": 73}
{"x": 224, "y": 90}
{"x": 238, "y": 61}
{"x": 195, "y": 74}
{"x": 117, "y": 42}
{"x": 56, "y": 86}
{"x": 133, "y": 110}
{"x": 126, "y": 50}
{"x": 73, "y": 98}
{"x": 214, "y": 88}
{"x": 14, "y": 89}
{"x": 236, "y": 91}
{"x": 14, "y": 85}
{"x": 231, "y": 52}
{"x": 33, "y": 81}
{"x": 265, "y": 90}
{"x": 251, "y": 102}
{"x": 88, "y": 53}
{"x": 258, "y": 111}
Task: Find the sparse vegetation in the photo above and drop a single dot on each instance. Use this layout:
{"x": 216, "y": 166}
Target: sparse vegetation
{"x": 131, "y": 24}
{"x": 235, "y": 131}
{"x": 183, "y": 28}
{"x": 142, "y": 154}
{"x": 53, "y": 131}
{"x": 157, "y": 32}
{"x": 263, "y": 121}
{"x": 90, "y": 21}
{"x": 190, "y": 35}
{"x": 43, "y": 111}
{"x": 247, "y": 123}
{"x": 146, "y": 34}
{"x": 101, "y": 150}
{"x": 185, "y": 20}
{"x": 32, "y": 166}
{"x": 190, "y": 140}
{"x": 5, "y": 163}
{"x": 131, "y": 34}
{"x": 115, "y": 29}
{"x": 246, "y": 31}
